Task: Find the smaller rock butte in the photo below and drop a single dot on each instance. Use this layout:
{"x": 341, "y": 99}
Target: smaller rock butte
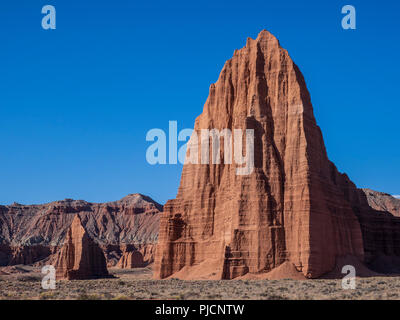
{"x": 80, "y": 257}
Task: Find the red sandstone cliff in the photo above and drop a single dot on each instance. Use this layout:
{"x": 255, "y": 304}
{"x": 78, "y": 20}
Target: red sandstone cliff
{"x": 294, "y": 208}
{"x": 31, "y": 233}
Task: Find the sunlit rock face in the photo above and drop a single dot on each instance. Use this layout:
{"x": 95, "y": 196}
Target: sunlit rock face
{"x": 294, "y": 207}
{"x": 80, "y": 257}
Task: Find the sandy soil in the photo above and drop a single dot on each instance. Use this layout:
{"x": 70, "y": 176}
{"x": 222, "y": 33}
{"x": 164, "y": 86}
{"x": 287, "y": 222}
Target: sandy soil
{"x": 24, "y": 282}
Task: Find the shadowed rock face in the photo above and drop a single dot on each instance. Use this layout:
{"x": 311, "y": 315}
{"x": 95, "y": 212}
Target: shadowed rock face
{"x": 133, "y": 259}
{"x": 295, "y": 206}
{"x": 31, "y": 233}
{"x": 80, "y": 257}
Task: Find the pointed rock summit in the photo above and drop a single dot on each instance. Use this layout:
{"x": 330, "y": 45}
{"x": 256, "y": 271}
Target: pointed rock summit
{"x": 294, "y": 208}
{"x": 80, "y": 257}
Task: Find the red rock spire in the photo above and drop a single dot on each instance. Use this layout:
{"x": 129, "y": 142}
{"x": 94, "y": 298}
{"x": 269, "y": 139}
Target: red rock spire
{"x": 80, "y": 257}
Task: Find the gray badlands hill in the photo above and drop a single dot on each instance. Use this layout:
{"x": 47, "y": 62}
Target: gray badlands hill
{"x": 295, "y": 213}
{"x": 30, "y": 233}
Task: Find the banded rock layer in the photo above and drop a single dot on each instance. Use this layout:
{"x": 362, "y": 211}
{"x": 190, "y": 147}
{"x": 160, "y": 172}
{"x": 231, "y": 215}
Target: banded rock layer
{"x": 30, "y": 233}
{"x": 383, "y": 202}
{"x": 295, "y": 207}
{"x": 80, "y": 257}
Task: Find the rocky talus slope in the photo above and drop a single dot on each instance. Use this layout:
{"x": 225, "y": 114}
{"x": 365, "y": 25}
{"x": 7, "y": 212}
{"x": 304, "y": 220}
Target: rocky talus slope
{"x": 31, "y": 233}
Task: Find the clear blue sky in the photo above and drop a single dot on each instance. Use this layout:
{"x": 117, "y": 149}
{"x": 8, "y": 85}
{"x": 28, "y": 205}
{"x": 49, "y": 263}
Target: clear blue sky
{"x": 76, "y": 102}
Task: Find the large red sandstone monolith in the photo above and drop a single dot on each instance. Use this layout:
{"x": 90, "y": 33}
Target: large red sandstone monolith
{"x": 80, "y": 257}
{"x": 294, "y": 207}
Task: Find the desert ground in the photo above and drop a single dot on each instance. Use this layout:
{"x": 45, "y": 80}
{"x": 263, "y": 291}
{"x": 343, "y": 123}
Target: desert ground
{"x": 24, "y": 282}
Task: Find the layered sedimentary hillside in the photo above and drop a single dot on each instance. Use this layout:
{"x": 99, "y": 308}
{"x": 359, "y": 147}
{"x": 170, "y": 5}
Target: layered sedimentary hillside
{"x": 294, "y": 207}
{"x": 31, "y": 233}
